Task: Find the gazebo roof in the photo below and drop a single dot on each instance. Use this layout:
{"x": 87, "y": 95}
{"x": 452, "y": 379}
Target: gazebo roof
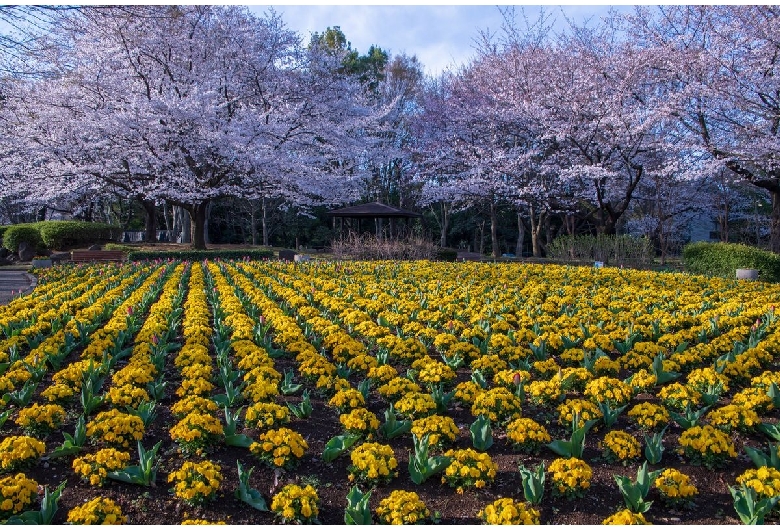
{"x": 372, "y": 210}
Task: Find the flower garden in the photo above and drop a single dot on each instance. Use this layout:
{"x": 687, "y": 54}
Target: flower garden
{"x": 406, "y": 393}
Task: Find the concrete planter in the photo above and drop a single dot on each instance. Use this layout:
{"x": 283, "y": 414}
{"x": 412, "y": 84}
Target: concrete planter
{"x": 747, "y": 274}
{"x": 41, "y": 263}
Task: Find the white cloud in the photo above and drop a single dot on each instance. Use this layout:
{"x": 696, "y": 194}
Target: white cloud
{"x": 439, "y": 35}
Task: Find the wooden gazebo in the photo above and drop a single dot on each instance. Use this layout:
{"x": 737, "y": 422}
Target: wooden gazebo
{"x": 352, "y": 218}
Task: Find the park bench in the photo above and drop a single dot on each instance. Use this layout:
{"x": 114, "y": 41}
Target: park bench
{"x": 80, "y": 256}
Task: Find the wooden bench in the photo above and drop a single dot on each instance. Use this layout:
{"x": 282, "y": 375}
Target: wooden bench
{"x": 81, "y": 256}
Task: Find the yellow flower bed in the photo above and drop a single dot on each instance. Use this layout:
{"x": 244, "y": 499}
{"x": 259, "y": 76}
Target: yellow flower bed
{"x": 649, "y": 416}
{"x": 294, "y": 504}
{"x": 506, "y": 511}
{"x": 196, "y": 432}
{"x": 360, "y": 421}
{"x": 620, "y": 446}
{"x": 569, "y": 477}
{"x": 372, "y": 463}
{"x": 526, "y": 435}
{"x": 524, "y": 338}
{"x": 675, "y": 487}
{"x": 469, "y": 469}
{"x": 17, "y": 493}
{"x": 765, "y": 481}
{"x": 19, "y": 451}
{"x": 94, "y": 468}
{"x": 346, "y": 400}
{"x": 706, "y": 446}
{"x": 401, "y": 508}
{"x": 196, "y": 483}
{"x": 497, "y": 404}
{"x": 40, "y": 420}
{"x": 116, "y": 429}
{"x": 625, "y": 517}
{"x": 100, "y": 510}
{"x": 266, "y": 415}
{"x": 441, "y": 430}
{"x": 281, "y": 448}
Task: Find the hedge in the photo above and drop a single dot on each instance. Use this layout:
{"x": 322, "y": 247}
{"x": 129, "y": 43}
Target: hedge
{"x": 198, "y": 255}
{"x": 15, "y": 235}
{"x": 446, "y": 254}
{"x": 723, "y": 259}
{"x": 58, "y": 235}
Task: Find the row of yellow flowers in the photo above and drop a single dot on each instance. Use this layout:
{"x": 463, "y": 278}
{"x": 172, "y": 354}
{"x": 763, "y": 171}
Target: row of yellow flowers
{"x": 38, "y": 420}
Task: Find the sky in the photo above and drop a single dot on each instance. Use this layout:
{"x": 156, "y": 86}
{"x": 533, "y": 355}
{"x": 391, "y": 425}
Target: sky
{"x": 441, "y": 36}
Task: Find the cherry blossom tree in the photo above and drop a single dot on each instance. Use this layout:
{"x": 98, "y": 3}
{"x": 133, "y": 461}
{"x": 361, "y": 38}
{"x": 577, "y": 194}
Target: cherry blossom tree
{"x": 187, "y": 104}
{"x": 603, "y": 115}
{"x": 720, "y": 73}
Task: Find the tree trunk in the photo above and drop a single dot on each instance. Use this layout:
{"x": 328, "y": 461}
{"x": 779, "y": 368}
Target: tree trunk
{"x": 265, "y": 222}
{"x": 548, "y": 233}
{"x": 520, "y": 234}
{"x": 482, "y": 238}
{"x": 206, "y": 240}
{"x": 774, "y": 242}
{"x": 150, "y": 227}
{"x": 494, "y": 230}
{"x": 253, "y": 220}
{"x": 536, "y": 231}
{"x": 445, "y": 225}
{"x": 182, "y": 225}
{"x": 198, "y": 213}
{"x": 168, "y": 220}
{"x": 723, "y": 221}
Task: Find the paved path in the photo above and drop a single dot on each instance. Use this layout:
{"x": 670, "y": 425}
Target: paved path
{"x": 14, "y": 281}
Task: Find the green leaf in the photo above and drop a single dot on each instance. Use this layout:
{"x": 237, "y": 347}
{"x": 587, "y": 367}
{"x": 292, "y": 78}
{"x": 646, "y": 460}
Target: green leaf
{"x": 749, "y": 510}
{"x": 771, "y": 430}
{"x": 481, "y": 433}
{"x": 244, "y": 493}
{"x": 561, "y": 448}
{"x": 533, "y": 483}
{"x": 337, "y": 445}
{"x": 358, "y": 511}
{"x": 238, "y": 440}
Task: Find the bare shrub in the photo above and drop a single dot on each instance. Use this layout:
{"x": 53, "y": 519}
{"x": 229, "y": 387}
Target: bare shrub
{"x": 610, "y": 249}
{"x": 368, "y": 247}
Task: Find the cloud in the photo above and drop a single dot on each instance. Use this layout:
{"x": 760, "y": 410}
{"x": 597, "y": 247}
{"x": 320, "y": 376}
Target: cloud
{"x": 441, "y": 36}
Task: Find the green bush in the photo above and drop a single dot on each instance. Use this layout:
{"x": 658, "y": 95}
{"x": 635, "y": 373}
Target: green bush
{"x": 59, "y": 235}
{"x": 723, "y": 259}
{"x": 3, "y": 228}
{"x": 119, "y": 246}
{"x": 446, "y": 254}
{"x": 16, "y": 234}
{"x": 198, "y": 255}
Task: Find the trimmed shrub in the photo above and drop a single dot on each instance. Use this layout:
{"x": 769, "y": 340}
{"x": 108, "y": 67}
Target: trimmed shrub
{"x": 119, "y": 246}
{"x": 16, "y": 234}
{"x": 59, "y": 235}
{"x": 199, "y": 255}
{"x": 446, "y": 254}
{"x": 3, "y": 228}
{"x": 723, "y": 259}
